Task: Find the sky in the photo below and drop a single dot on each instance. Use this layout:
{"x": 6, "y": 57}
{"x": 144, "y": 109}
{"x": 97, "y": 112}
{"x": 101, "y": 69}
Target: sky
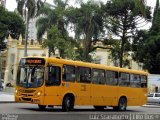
{"x": 11, "y": 5}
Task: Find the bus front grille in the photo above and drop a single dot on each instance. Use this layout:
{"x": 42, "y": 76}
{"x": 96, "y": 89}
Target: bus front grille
{"x": 26, "y": 95}
{"x": 26, "y": 99}
{"x": 27, "y": 91}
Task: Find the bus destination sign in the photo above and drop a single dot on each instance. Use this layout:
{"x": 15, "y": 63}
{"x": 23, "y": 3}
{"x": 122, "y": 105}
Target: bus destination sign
{"x": 32, "y": 61}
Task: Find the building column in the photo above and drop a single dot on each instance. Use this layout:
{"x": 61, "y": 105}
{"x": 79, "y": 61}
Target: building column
{"x": 6, "y": 76}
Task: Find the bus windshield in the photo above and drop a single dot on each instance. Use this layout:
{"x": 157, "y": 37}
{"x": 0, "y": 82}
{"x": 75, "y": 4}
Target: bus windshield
{"x": 30, "y": 76}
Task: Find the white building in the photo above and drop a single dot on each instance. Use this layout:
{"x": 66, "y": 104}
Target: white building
{"x": 3, "y": 3}
{"x": 15, "y": 51}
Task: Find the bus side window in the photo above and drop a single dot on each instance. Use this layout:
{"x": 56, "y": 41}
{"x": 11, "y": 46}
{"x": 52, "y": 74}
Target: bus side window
{"x": 143, "y": 81}
{"x": 134, "y": 80}
{"x": 116, "y": 78}
{"x": 83, "y": 74}
{"x": 124, "y": 79}
{"x": 98, "y": 76}
{"x": 54, "y": 73}
{"x": 111, "y": 77}
{"x": 68, "y": 73}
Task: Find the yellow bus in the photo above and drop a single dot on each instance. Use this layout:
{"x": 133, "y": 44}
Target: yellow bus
{"x": 49, "y": 82}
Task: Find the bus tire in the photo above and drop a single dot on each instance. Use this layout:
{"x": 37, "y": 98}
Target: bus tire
{"x": 68, "y": 104}
{"x": 122, "y": 104}
{"x": 42, "y": 107}
{"x": 99, "y": 107}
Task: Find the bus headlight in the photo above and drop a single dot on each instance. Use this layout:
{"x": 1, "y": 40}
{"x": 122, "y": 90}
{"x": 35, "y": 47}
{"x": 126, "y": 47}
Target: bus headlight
{"x": 38, "y": 94}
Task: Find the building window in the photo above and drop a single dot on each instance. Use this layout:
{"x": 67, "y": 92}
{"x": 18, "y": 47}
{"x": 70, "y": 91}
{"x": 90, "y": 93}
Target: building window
{"x": 12, "y": 58}
{"x": 32, "y": 41}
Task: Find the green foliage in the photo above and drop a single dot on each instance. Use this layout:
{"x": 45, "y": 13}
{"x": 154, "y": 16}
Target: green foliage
{"x": 146, "y": 45}
{"x": 53, "y": 20}
{"x": 3, "y": 27}
{"x": 10, "y": 23}
{"x": 88, "y": 24}
{"x": 52, "y": 16}
{"x": 156, "y": 19}
{"x": 15, "y": 25}
{"x": 146, "y": 50}
{"x": 48, "y": 18}
{"x": 123, "y": 18}
{"x": 56, "y": 41}
{"x": 32, "y": 5}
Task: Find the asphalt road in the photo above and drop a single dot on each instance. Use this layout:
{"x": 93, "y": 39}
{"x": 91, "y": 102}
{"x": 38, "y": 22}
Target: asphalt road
{"x": 23, "y": 111}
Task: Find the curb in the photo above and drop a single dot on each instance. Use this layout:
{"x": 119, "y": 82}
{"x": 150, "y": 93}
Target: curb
{"x": 1, "y": 102}
{"x": 149, "y": 105}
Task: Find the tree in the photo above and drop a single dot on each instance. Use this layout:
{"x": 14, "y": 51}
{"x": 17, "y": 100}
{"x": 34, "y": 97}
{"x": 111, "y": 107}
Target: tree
{"x": 32, "y": 5}
{"x": 15, "y": 25}
{"x": 55, "y": 41}
{"x": 123, "y": 19}
{"x": 47, "y": 19}
{"x": 147, "y": 44}
{"x": 87, "y": 24}
{"x": 146, "y": 51}
{"x": 10, "y": 23}
{"x": 156, "y": 19}
{"x": 51, "y": 16}
{"x": 3, "y": 27}
{"x": 139, "y": 47}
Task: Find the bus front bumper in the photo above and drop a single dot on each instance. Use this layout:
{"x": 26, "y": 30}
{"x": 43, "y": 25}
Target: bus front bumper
{"x": 27, "y": 99}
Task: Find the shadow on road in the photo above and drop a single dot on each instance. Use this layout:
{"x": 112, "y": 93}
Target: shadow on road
{"x": 77, "y": 110}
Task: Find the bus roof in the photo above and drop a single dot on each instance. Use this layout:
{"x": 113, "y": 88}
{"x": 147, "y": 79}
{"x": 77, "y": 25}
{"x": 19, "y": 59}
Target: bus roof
{"x": 87, "y": 64}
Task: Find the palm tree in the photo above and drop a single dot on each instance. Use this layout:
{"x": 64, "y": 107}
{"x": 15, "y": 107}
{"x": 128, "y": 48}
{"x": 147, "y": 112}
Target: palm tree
{"x": 48, "y": 17}
{"x": 32, "y": 5}
{"x": 88, "y": 24}
{"x": 52, "y": 15}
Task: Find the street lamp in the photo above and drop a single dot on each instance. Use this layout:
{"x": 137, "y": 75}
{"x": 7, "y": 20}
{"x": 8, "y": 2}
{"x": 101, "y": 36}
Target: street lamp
{"x": 25, "y": 10}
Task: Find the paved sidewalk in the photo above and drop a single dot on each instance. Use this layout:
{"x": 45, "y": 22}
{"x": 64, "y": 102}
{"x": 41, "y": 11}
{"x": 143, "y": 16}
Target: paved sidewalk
{"x": 7, "y": 95}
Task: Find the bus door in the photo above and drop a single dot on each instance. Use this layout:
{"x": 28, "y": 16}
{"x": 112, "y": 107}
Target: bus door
{"x": 98, "y": 87}
{"x": 68, "y": 80}
{"x": 53, "y": 85}
{"x": 83, "y": 86}
{"x": 111, "y": 91}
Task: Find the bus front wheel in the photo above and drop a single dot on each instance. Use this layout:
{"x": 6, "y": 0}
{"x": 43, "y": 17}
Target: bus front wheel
{"x": 68, "y": 104}
{"x": 122, "y": 104}
{"x": 42, "y": 107}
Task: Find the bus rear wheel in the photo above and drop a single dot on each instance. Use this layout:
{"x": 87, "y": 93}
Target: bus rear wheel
{"x": 68, "y": 104}
{"x": 99, "y": 107}
{"x": 122, "y": 104}
{"x": 42, "y": 107}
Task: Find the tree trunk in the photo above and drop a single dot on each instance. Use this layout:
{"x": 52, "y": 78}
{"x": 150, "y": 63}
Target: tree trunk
{"x": 121, "y": 53}
{"x": 61, "y": 52}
